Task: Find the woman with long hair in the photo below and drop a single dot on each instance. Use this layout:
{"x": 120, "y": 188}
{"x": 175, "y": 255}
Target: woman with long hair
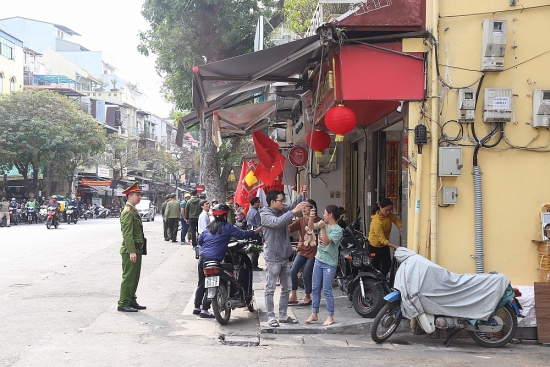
{"x": 379, "y": 234}
{"x": 326, "y": 260}
{"x": 305, "y": 254}
{"x": 213, "y": 243}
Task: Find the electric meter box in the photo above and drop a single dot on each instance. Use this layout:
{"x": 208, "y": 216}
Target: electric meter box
{"x": 450, "y": 161}
{"x": 466, "y": 104}
{"x": 497, "y": 106}
{"x": 493, "y": 45}
{"x": 541, "y": 108}
{"x": 450, "y": 195}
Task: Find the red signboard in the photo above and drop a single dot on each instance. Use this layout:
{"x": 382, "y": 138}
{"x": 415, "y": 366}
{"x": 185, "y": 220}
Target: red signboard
{"x": 298, "y": 156}
{"x": 88, "y": 182}
{"x": 200, "y": 188}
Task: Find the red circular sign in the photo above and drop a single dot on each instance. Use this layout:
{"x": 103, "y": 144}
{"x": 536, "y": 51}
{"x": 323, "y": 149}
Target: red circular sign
{"x": 298, "y": 156}
{"x": 200, "y": 188}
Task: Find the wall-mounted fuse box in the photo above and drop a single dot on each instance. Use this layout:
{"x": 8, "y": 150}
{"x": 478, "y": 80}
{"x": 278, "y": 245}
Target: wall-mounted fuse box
{"x": 493, "y": 45}
{"x": 497, "y": 105}
{"x": 541, "y": 108}
{"x": 450, "y": 195}
{"x": 466, "y": 104}
{"x": 450, "y": 161}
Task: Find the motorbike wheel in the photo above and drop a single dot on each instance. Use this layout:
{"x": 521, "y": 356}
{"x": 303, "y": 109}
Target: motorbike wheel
{"x": 48, "y": 223}
{"x": 502, "y": 337}
{"x": 386, "y": 322}
{"x": 373, "y": 301}
{"x": 221, "y": 311}
{"x": 56, "y": 224}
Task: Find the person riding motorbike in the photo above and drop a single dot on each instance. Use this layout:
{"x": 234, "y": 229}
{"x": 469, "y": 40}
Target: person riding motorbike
{"x": 53, "y": 202}
{"x": 32, "y": 204}
{"x": 14, "y": 206}
{"x": 73, "y": 203}
{"x": 213, "y": 243}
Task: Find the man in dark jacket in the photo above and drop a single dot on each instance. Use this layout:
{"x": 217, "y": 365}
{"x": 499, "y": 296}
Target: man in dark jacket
{"x": 192, "y": 211}
{"x": 171, "y": 217}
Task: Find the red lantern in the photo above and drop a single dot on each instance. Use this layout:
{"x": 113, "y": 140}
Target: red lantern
{"x": 340, "y": 120}
{"x": 318, "y": 141}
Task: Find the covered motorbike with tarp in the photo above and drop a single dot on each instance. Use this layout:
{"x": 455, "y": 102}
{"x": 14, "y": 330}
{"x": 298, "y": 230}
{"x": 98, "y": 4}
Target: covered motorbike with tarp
{"x": 483, "y": 304}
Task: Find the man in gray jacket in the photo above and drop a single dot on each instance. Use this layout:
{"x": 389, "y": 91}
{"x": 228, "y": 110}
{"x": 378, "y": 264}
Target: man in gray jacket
{"x": 277, "y": 249}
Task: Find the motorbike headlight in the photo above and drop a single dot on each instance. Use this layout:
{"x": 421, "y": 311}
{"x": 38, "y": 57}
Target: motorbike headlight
{"x": 356, "y": 261}
{"x": 367, "y": 260}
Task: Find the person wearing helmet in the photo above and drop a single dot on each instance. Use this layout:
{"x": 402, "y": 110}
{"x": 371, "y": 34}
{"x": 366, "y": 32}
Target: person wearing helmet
{"x": 13, "y": 207}
{"x": 213, "y": 244}
{"x": 53, "y": 202}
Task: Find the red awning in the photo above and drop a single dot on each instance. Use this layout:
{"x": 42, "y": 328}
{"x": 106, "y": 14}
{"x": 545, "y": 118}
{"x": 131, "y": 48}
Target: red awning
{"x": 373, "y": 79}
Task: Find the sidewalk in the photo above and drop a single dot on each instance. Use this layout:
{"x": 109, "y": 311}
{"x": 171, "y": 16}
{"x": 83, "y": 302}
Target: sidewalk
{"x": 347, "y": 321}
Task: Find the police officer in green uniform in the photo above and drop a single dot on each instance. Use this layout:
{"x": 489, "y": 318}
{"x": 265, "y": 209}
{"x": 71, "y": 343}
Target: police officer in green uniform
{"x": 131, "y": 251}
{"x": 165, "y": 223}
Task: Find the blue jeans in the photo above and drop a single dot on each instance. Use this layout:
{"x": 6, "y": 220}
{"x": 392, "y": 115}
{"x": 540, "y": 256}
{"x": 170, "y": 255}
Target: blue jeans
{"x": 184, "y": 228}
{"x": 323, "y": 275}
{"x": 307, "y": 273}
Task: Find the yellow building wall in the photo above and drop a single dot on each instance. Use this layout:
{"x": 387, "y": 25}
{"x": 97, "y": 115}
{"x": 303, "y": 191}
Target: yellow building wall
{"x": 515, "y": 182}
{"x": 12, "y": 68}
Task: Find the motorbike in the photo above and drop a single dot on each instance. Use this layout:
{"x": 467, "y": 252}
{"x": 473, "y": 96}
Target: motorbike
{"x": 364, "y": 285}
{"x": 31, "y": 215}
{"x": 490, "y": 318}
{"x": 72, "y": 215}
{"x": 229, "y": 283}
{"x": 53, "y": 218}
{"x": 85, "y": 213}
{"x": 14, "y": 217}
{"x": 43, "y": 213}
{"x": 114, "y": 212}
{"x": 100, "y": 212}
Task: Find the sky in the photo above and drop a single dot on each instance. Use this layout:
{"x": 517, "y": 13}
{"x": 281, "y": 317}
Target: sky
{"x": 111, "y": 26}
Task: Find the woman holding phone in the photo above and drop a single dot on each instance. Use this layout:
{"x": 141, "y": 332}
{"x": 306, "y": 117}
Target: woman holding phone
{"x": 326, "y": 260}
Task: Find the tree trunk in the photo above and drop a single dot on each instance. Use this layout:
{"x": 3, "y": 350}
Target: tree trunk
{"x": 35, "y": 173}
{"x": 209, "y": 170}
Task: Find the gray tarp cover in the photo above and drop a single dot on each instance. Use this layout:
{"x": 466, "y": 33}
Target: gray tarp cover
{"x": 428, "y": 288}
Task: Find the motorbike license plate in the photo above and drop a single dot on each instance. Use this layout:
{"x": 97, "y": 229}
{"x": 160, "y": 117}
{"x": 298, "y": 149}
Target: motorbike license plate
{"x": 212, "y": 282}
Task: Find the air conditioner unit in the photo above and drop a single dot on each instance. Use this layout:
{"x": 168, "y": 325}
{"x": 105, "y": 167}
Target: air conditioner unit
{"x": 497, "y": 105}
{"x": 541, "y": 108}
{"x": 493, "y": 45}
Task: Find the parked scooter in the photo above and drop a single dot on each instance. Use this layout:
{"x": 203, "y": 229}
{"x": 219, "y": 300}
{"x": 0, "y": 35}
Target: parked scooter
{"x": 100, "y": 212}
{"x": 72, "y": 215}
{"x": 229, "y": 283}
{"x": 364, "y": 285}
{"x": 483, "y": 304}
{"x": 114, "y": 212}
{"x": 52, "y": 218}
{"x": 14, "y": 217}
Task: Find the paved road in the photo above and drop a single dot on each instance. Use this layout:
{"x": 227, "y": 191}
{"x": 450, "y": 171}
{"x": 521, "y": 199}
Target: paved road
{"x": 58, "y": 293}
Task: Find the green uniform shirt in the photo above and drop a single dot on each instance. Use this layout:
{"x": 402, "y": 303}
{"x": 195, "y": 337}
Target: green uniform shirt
{"x": 193, "y": 208}
{"x": 132, "y": 230}
{"x": 172, "y": 209}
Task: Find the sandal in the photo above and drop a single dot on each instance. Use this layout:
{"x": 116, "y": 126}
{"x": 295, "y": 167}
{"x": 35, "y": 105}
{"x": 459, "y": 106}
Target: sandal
{"x": 293, "y": 302}
{"x": 288, "y": 320}
{"x": 304, "y": 303}
{"x": 273, "y": 323}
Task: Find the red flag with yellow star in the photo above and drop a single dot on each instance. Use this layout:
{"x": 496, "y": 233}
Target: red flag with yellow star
{"x": 248, "y": 185}
{"x": 271, "y": 161}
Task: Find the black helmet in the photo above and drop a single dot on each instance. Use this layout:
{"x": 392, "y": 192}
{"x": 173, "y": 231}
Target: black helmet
{"x": 220, "y": 209}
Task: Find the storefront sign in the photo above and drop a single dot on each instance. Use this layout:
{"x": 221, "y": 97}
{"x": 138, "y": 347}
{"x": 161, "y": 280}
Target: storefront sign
{"x": 298, "y": 156}
{"x": 88, "y": 182}
{"x": 103, "y": 171}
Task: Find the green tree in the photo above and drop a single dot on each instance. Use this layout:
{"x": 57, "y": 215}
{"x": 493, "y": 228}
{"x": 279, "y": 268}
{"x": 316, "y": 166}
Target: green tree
{"x": 38, "y": 127}
{"x": 120, "y": 153}
{"x": 186, "y": 33}
{"x": 298, "y": 13}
